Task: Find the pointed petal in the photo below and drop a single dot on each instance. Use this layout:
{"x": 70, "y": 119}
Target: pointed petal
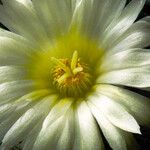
{"x": 24, "y": 124}
{"x": 111, "y": 133}
{"x": 116, "y": 113}
{"x": 133, "y": 77}
{"x": 52, "y": 126}
{"x": 55, "y": 22}
{"x": 22, "y": 20}
{"x": 123, "y": 22}
{"x": 15, "y": 89}
{"x": 137, "y": 104}
{"x": 126, "y": 59}
{"x": 87, "y": 133}
{"x": 67, "y": 136}
{"x": 11, "y": 73}
{"x": 137, "y": 36}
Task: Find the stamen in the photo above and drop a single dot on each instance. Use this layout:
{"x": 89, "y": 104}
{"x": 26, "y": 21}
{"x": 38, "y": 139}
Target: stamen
{"x": 77, "y": 70}
{"x": 71, "y": 77}
{"x": 74, "y": 60}
{"x": 61, "y": 64}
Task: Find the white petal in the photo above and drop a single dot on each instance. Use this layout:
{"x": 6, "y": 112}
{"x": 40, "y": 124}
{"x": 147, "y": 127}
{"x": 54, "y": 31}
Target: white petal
{"x": 137, "y": 36}
{"x": 12, "y": 118}
{"x": 110, "y": 132}
{"x": 130, "y": 140}
{"x": 53, "y": 126}
{"x": 93, "y": 17}
{"x": 116, "y": 113}
{"x": 123, "y": 22}
{"x": 11, "y": 73}
{"x": 22, "y": 20}
{"x": 31, "y": 137}
{"x": 67, "y": 136}
{"x": 87, "y": 133}
{"x": 137, "y": 104}
{"x": 111, "y": 11}
{"x": 6, "y": 110}
{"x": 133, "y": 77}
{"x": 127, "y": 59}
{"x": 27, "y": 3}
{"x": 24, "y": 124}
{"x": 58, "y": 110}
{"x": 15, "y": 89}
{"x": 54, "y": 15}
{"x": 83, "y": 7}
{"x": 13, "y": 51}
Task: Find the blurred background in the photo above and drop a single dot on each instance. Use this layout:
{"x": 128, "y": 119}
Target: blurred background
{"x": 144, "y": 139}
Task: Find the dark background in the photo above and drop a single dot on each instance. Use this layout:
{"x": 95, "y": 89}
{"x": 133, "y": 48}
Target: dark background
{"x": 144, "y": 139}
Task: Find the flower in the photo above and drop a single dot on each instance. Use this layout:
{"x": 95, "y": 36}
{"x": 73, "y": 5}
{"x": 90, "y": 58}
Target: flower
{"x": 63, "y": 68}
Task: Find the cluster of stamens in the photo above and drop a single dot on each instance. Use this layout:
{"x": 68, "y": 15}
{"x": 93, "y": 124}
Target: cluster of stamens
{"x": 71, "y": 77}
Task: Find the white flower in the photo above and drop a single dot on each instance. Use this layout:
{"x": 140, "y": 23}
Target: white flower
{"x": 62, "y": 71}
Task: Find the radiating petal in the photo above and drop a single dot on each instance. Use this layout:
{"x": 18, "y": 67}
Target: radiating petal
{"x": 116, "y": 113}
{"x": 31, "y": 137}
{"x": 13, "y": 51}
{"x": 104, "y": 10}
{"x": 133, "y": 77}
{"x": 55, "y": 22}
{"x": 127, "y": 59}
{"x": 130, "y": 140}
{"x": 109, "y": 12}
{"x": 67, "y": 136}
{"x": 53, "y": 126}
{"x": 123, "y": 22}
{"x": 137, "y": 104}
{"x": 6, "y": 110}
{"x": 8, "y": 121}
{"x": 15, "y": 89}
{"x": 111, "y": 133}
{"x": 87, "y": 133}
{"x": 22, "y": 20}
{"x": 137, "y": 36}
{"x": 27, "y": 3}
{"x": 24, "y": 124}
{"x": 11, "y": 73}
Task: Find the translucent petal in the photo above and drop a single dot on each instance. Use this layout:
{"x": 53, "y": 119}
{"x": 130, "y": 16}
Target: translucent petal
{"x": 27, "y": 3}
{"x": 123, "y": 22}
{"x": 13, "y": 51}
{"x": 53, "y": 126}
{"x": 22, "y": 20}
{"x": 31, "y": 137}
{"x": 6, "y": 110}
{"x": 15, "y": 89}
{"x": 127, "y": 59}
{"x": 137, "y": 36}
{"x": 133, "y": 77}
{"x": 111, "y": 133}
{"x": 8, "y": 121}
{"x": 116, "y": 113}
{"x": 24, "y": 124}
{"x": 11, "y": 73}
{"x": 54, "y": 15}
{"x": 137, "y": 104}
{"x": 67, "y": 136}
{"x": 87, "y": 133}
{"x": 93, "y": 17}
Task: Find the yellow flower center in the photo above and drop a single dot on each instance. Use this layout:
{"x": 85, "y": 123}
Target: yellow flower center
{"x": 71, "y": 77}
{"x": 66, "y": 66}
